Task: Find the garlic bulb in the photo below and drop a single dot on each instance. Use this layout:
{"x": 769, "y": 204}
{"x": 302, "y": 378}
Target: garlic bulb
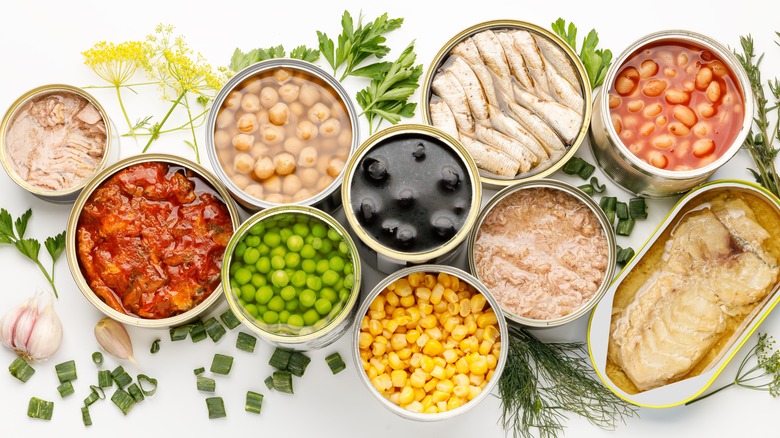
{"x": 33, "y": 333}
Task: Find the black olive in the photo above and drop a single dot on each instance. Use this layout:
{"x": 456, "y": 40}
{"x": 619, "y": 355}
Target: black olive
{"x": 406, "y": 197}
{"x": 450, "y": 178}
{"x": 459, "y": 206}
{"x": 368, "y": 210}
{"x": 443, "y": 226}
{"x": 406, "y": 235}
{"x": 374, "y": 168}
{"x": 419, "y": 152}
{"x": 390, "y": 226}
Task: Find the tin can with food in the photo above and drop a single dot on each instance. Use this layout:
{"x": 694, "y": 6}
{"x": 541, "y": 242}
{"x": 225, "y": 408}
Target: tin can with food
{"x": 674, "y": 108}
{"x": 545, "y": 250}
{"x": 514, "y": 94}
{"x": 53, "y": 139}
{"x": 292, "y": 275}
{"x": 444, "y": 302}
{"x": 411, "y": 195}
{"x": 280, "y": 133}
{"x": 146, "y": 238}
{"x": 683, "y": 307}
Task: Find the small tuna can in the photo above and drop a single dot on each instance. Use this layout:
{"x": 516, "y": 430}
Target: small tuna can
{"x": 674, "y": 108}
{"x": 145, "y": 240}
{"x": 462, "y": 293}
{"x": 531, "y": 117}
{"x": 53, "y": 139}
{"x": 280, "y": 133}
{"x": 696, "y": 291}
{"x": 411, "y": 195}
{"x": 545, "y": 250}
{"x": 292, "y": 275}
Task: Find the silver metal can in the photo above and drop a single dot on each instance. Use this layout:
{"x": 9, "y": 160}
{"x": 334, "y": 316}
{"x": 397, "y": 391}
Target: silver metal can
{"x": 621, "y": 165}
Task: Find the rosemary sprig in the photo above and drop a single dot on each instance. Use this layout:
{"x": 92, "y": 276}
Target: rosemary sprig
{"x": 543, "y": 383}
{"x": 761, "y": 139}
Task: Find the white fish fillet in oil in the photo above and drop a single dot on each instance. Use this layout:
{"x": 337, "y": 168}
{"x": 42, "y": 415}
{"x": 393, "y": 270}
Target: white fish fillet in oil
{"x": 554, "y": 56}
{"x": 492, "y": 55}
{"x": 526, "y": 45}
{"x": 564, "y": 120}
{"x": 509, "y": 127}
{"x": 515, "y": 60}
{"x": 442, "y": 117}
{"x": 508, "y": 145}
{"x": 471, "y": 86}
{"x": 491, "y": 159}
{"x": 468, "y": 51}
{"x": 539, "y": 128}
{"x": 447, "y": 87}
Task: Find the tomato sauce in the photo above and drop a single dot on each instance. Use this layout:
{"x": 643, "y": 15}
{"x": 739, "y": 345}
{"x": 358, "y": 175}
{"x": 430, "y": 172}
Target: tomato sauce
{"x": 151, "y": 240}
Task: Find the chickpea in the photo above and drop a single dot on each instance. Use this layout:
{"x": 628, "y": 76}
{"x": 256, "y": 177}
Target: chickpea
{"x": 322, "y": 164}
{"x": 617, "y": 123}
{"x": 703, "y": 147}
{"x": 676, "y": 96}
{"x": 232, "y": 101}
{"x": 296, "y": 108}
{"x": 255, "y": 191}
{"x": 243, "y": 142}
{"x": 635, "y": 105}
{"x": 289, "y": 92}
{"x": 250, "y": 103}
{"x": 285, "y": 163}
{"x": 328, "y": 145}
{"x": 318, "y": 113}
{"x": 301, "y": 195}
{"x": 247, "y": 123}
{"x": 308, "y": 94}
{"x": 335, "y": 167}
{"x": 654, "y": 87}
{"x": 309, "y": 177}
{"x": 272, "y": 134}
{"x": 291, "y": 184}
{"x": 330, "y": 128}
{"x": 262, "y": 117}
{"x": 679, "y": 129}
{"x": 225, "y": 118}
{"x": 647, "y": 129}
{"x": 258, "y": 150}
{"x": 614, "y": 101}
{"x": 272, "y": 184}
{"x": 308, "y": 157}
{"x": 685, "y": 115}
{"x": 653, "y": 110}
{"x": 264, "y": 168}
{"x": 294, "y": 145}
{"x": 222, "y": 139}
{"x": 703, "y": 78}
{"x": 252, "y": 85}
{"x": 243, "y": 163}
{"x": 278, "y": 114}
{"x": 275, "y": 198}
{"x": 345, "y": 139}
{"x": 241, "y": 181}
{"x": 268, "y": 97}
{"x": 306, "y": 130}
{"x": 282, "y": 75}
{"x": 648, "y": 69}
{"x": 713, "y": 92}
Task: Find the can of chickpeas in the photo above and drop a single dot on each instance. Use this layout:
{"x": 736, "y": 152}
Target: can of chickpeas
{"x": 674, "y": 108}
{"x": 280, "y": 134}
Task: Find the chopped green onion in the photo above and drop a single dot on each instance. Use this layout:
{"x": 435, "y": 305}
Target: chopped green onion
{"x": 94, "y": 395}
{"x": 221, "y": 364}
{"x": 65, "y": 389}
{"x": 214, "y": 329}
{"x": 598, "y": 188}
{"x": 280, "y": 358}
{"x": 123, "y": 400}
{"x": 97, "y": 358}
{"x": 624, "y": 255}
{"x": 85, "y": 417}
{"x": 229, "y": 319}
{"x": 216, "y": 407}
{"x": 637, "y": 208}
{"x": 298, "y": 363}
{"x": 246, "y": 342}
{"x": 40, "y": 409}
{"x": 105, "y": 380}
{"x": 135, "y": 391}
{"x": 622, "y": 210}
{"x": 254, "y": 402}
{"x": 180, "y": 333}
{"x": 121, "y": 377}
{"x": 625, "y": 226}
{"x": 283, "y": 381}
{"x": 336, "y": 363}
{"x": 155, "y": 346}
{"x": 586, "y": 171}
{"x": 199, "y": 371}
{"x": 269, "y": 382}
{"x": 66, "y": 371}
{"x": 20, "y": 369}
{"x": 610, "y": 216}
{"x": 608, "y": 203}
{"x": 587, "y": 188}
{"x": 152, "y": 382}
{"x": 206, "y": 384}
{"x": 198, "y": 331}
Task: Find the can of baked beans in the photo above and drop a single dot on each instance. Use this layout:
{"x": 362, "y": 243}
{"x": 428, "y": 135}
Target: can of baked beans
{"x": 675, "y": 107}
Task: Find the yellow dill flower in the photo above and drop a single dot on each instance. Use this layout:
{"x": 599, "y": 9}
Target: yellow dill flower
{"x": 116, "y": 63}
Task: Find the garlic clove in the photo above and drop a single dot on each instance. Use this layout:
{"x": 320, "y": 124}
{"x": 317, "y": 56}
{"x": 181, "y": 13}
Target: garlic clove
{"x": 25, "y": 324}
{"x": 8, "y": 323}
{"x": 46, "y": 336}
{"x": 112, "y": 337}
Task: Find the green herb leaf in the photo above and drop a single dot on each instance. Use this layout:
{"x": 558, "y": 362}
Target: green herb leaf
{"x": 241, "y": 60}
{"x": 305, "y": 53}
{"x": 21, "y": 222}
{"x": 29, "y": 247}
{"x": 326, "y": 48}
{"x": 596, "y": 61}
{"x": 373, "y": 70}
{"x": 55, "y": 246}
{"x": 6, "y": 223}
{"x": 357, "y": 43}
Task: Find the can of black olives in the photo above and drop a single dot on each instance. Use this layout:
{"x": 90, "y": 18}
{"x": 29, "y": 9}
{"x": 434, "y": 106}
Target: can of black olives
{"x": 411, "y": 195}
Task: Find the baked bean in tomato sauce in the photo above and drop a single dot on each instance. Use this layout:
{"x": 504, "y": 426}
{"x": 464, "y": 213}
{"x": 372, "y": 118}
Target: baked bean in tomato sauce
{"x": 676, "y": 106}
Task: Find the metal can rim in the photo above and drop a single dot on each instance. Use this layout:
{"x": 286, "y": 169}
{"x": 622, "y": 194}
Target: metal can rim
{"x": 580, "y": 196}
{"x": 456, "y": 147}
{"x": 71, "y": 251}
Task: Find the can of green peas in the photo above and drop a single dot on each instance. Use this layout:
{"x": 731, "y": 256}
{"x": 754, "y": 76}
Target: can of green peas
{"x": 292, "y": 274}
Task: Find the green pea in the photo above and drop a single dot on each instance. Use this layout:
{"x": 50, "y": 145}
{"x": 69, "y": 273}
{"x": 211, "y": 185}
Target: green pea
{"x": 349, "y": 268}
{"x": 277, "y": 262}
{"x": 251, "y": 268}
{"x": 343, "y": 248}
{"x": 316, "y": 243}
{"x": 313, "y": 282}
{"x": 308, "y": 239}
{"x": 349, "y": 281}
{"x": 239, "y": 251}
{"x": 233, "y": 283}
{"x": 272, "y": 239}
{"x": 292, "y": 260}
{"x": 319, "y": 230}
{"x": 235, "y": 266}
{"x": 337, "y": 307}
{"x": 336, "y": 263}
{"x": 263, "y": 265}
{"x": 334, "y": 235}
{"x": 285, "y": 234}
{"x": 278, "y": 251}
{"x": 343, "y": 295}
{"x": 295, "y": 321}
{"x": 295, "y": 243}
{"x": 339, "y": 284}
{"x": 322, "y": 306}
{"x": 264, "y": 294}
{"x": 308, "y": 251}
{"x": 236, "y": 291}
{"x": 257, "y": 229}
{"x": 301, "y": 229}
{"x": 292, "y": 305}
{"x": 330, "y": 277}
{"x": 252, "y": 241}
{"x": 276, "y": 304}
{"x": 287, "y": 293}
{"x": 258, "y": 280}
{"x": 263, "y": 249}
{"x": 270, "y": 317}
{"x": 310, "y": 317}
{"x": 298, "y": 279}
{"x": 322, "y": 266}
{"x": 284, "y": 315}
{"x": 279, "y": 278}
{"x": 251, "y": 255}
{"x": 243, "y": 276}
{"x": 269, "y": 223}
{"x": 307, "y": 298}
{"x": 261, "y": 308}
{"x": 327, "y": 246}
{"x": 329, "y": 294}
{"x": 251, "y": 309}
{"x": 309, "y": 266}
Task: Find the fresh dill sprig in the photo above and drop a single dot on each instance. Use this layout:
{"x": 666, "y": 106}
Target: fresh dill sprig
{"x": 542, "y": 384}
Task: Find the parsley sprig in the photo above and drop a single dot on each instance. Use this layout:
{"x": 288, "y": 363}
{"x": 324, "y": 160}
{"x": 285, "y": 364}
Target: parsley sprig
{"x": 240, "y": 60}
{"x": 12, "y": 232}
{"x": 595, "y": 61}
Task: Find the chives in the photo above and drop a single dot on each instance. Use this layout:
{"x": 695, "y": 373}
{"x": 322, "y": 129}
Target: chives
{"x": 587, "y": 188}
{"x": 246, "y": 342}
{"x": 221, "y": 364}
{"x": 150, "y": 381}
{"x": 105, "y": 380}
{"x": 206, "y": 384}
{"x": 94, "y": 395}
{"x": 637, "y": 208}
{"x": 65, "y": 389}
{"x": 336, "y": 363}
{"x": 214, "y": 329}
{"x": 269, "y": 382}
{"x": 66, "y": 371}
{"x": 199, "y": 371}
{"x": 97, "y": 358}
{"x": 624, "y": 255}
{"x": 198, "y": 332}
{"x": 280, "y": 358}
{"x": 298, "y": 364}
{"x": 254, "y": 402}
{"x": 40, "y": 409}
{"x": 622, "y": 210}
{"x": 283, "y": 381}
{"x": 20, "y": 369}
{"x": 180, "y": 333}
{"x": 155, "y": 346}
{"x": 121, "y": 377}
{"x": 229, "y": 319}
{"x": 123, "y": 400}
{"x": 85, "y": 417}
{"x": 135, "y": 391}
{"x": 578, "y": 166}
{"x": 625, "y": 226}
{"x": 216, "y": 407}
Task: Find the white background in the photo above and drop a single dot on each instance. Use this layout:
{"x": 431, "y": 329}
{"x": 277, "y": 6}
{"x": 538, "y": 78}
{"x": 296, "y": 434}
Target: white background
{"x": 42, "y": 44}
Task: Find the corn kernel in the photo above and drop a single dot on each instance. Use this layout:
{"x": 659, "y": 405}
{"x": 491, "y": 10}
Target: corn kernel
{"x": 416, "y": 360}
{"x": 365, "y": 340}
{"x": 441, "y": 406}
{"x": 460, "y": 379}
{"x": 451, "y": 323}
{"x": 450, "y": 370}
{"x": 432, "y": 347}
{"x": 465, "y": 307}
{"x": 414, "y": 315}
{"x": 489, "y": 375}
{"x": 497, "y": 349}
{"x": 455, "y": 283}
{"x": 463, "y": 294}
{"x": 440, "y": 308}
{"x": 372, "y": 373}
{"x": 395, "y": 397}
{"x": 398, "y": 341}
{"x": 453, "y": 308}
{"x": 377, "y": 314}
{"x": 416, "y": 278}
{"x": 399, "y": 378}
{"x": 402, "y": 287}
{"x": 436, "y": 293}
{"x": 476, "y": 379}
{"x": 450, "y": 355}
{"x": 395, "y": 361}
{"x": 434, "y": 333}
{"x": 378, "y": 303}
{"x": 382, "y": 382}
{"x": 450, "y": 295}
{"x": 459, "y": 332}
{"x": 474, "y": 392}
{"x": 375, "y": 327}
{"x": 478, "y": 302}
{"x": 407, "y": 301}
{"x": 432, "y": 409}
{"x": 439, "y": 372}
{"x": 414, "y": 406}
{"x": 412, "y": 336}
{"x": 445, "y": 385}
{"x": 440, "y": 396}
{"x": 469, "y": 345}
{"x": 478, "y": 333}
{"x": 401, "y": 318}
{"x": 479, "y": 365}
{"x": 422, "y": 340}
{"x": 391, "y": 298}
{"x": 423, "y": 293}
{"x": 450, "y": 344}
{"x": 430, "y": 385}
{"x": 404, "y": 353}
{"x": 417, "y": 380}
{"x": 377, "y": 364}
{"x": 454, "y": 403}
{"x": 425, "y": 307}
{"x": 426, "y": 364}
{"x": 427, "y": 401}
{"x": 419, "y": 394}
{"x": 491, "y": 334}
{"x": 485, "y": 347}
{"x": 487, "y": 318}
{"x": 407, "y": 395}
{"x": 391, "y": 325}
{"x": 444, "y": 279}
{"x": 492, "y": 361}
{"x": 461, "y": 366}
{"x": 439, "y": 361}
{"x": 429, "y": 281}
{"x": 364, "y": 323}
{"x": 378, "y": 348}
{"x": 461, "y": 390}
{"x": 398, "y": 313}
{"x": 471, "y": 323}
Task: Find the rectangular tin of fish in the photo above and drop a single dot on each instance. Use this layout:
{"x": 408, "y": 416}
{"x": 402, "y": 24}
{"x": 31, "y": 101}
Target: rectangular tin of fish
{"x": 694, "y": 293}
